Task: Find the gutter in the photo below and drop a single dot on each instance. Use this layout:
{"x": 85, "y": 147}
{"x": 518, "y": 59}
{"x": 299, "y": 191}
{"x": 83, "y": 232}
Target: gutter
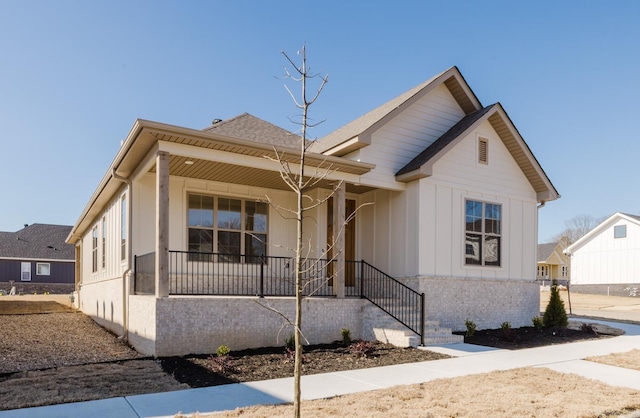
{"x": 126, "y": 284}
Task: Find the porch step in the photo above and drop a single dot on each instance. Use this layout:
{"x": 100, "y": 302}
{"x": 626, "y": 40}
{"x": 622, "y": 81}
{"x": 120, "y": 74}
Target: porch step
{"x": 386, "y": 329}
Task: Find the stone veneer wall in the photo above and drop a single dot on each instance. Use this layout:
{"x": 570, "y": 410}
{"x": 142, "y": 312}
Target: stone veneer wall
{"x": 196, "y": 325}
{"x": 487, "y": 302}
{"x": 622, "y": 289}
{"x": 102, "y": 301}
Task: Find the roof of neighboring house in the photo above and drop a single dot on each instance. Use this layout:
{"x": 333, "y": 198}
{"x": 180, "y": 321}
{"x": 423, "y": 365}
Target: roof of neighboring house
{"x": 452, "y": 78}
{"x": 634, "y": 219}
{"x": 545, "y": 250}
{"x": 247, "y": 126}
{"x": 37, "y": 241}
{"x": 448, "y": 137}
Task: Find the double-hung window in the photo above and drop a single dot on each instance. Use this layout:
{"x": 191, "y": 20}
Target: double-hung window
{"x": 94, "y": 249}
{"x": 235, "y": 229}
{"x": 483, "y": 233}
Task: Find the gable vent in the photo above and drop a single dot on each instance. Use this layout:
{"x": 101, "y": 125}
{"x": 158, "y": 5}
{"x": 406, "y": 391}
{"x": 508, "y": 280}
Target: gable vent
{"x": 483, "y": 151}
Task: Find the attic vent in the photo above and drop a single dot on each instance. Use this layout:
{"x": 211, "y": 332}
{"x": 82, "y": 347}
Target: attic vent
{"x": 213, "y": 122}
{"x": 483, "y": 151}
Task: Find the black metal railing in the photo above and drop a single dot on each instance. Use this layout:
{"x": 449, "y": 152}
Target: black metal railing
{"x": 192, "y": 273}
{"x": 144, "y": 278}
{"x": 395, "y": 298}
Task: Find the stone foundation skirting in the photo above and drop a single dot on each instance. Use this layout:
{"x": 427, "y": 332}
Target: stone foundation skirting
{"x": 29, "y": 288}
{"x": 196, "y": 325}
{"x": 628, "y": 289}
{"x": 487, "y": 302}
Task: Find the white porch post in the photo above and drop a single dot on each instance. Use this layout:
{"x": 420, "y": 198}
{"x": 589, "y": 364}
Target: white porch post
{"x": 162, "y": 224}
{"x": 338, "y": 238}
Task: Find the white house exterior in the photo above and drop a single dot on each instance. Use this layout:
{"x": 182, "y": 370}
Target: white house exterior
{"x": 607, "y": 259}
{"x": 446, "y": 191}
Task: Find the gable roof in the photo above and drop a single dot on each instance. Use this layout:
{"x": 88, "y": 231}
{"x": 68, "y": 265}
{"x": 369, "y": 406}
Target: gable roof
{"x": 634, "y": 219}
{"x": 422, "y": 165}
{"x": 441, "y": 143}
{"x": 39, "y": 242}
{"x": 247, "y": 126}
{"x": 545, "y": 250}
{"x": 335, "y": 143}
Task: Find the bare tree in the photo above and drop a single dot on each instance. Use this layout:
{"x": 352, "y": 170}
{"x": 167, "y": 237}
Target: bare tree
{"x": 577, "y": 227}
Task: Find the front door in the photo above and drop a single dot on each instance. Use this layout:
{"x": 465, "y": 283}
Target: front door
{"x": 349, "y": 241}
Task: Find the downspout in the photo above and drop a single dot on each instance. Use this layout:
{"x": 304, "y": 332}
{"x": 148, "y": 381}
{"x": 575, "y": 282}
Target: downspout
{"x": 125, "y": 283}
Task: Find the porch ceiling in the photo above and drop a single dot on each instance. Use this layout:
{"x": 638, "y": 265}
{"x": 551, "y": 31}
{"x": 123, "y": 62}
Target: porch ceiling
{"x": 231, "y": 173}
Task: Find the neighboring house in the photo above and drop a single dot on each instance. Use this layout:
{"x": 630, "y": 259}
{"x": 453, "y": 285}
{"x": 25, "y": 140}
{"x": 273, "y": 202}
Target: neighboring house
{"x": 553, "y": 263}
{"x": 177, "y": 244}
{"x": 606, "y": 260}
{"x": 37, "y": 259}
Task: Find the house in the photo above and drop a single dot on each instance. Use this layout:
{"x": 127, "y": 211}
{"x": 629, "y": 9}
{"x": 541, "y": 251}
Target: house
{"x": 185, "y": 244}
{"x": 606, "y": 260}
{"x": 553, "y": 263}
{"x": 37, "y": 259}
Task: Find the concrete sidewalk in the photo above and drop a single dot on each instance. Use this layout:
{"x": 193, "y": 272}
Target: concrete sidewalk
{"x": 470, "y": 359}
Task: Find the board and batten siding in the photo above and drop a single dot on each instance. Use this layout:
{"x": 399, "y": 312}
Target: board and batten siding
{"x": 407, "y": 134}
{"x": 458, "y": 176}
{"x": 608, "y": 260}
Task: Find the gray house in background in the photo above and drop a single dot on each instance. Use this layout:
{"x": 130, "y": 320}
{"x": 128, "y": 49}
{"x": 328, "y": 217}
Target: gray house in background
{"x": 37, "y": 259}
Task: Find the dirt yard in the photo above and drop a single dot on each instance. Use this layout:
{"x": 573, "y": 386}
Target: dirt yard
{"x": 39, "y": 364}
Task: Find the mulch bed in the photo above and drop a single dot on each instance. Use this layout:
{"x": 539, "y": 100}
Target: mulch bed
{"x": 273, "y": 363}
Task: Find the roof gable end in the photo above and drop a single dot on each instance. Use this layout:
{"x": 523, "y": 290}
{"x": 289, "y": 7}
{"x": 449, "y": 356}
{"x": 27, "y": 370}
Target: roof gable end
{"x": 357, "y": 133}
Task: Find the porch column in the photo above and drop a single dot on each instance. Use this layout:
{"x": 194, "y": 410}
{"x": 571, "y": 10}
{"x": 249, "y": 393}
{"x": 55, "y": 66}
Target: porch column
{"x": 162, "y": 224}
{"x": 338, "y": 238}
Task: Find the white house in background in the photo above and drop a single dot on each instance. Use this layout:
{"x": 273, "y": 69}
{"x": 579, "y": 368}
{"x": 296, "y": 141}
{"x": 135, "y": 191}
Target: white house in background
{"x": 607, "y": 259}
{"x": 177, "y": 250}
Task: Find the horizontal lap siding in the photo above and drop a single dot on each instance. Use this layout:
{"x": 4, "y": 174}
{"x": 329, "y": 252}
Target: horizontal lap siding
{"x": 406, "y": 135}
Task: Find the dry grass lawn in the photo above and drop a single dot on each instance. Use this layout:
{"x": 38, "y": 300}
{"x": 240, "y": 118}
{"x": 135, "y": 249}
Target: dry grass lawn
{"x": 528, "y": 392}
{"x": 628, "y": 360}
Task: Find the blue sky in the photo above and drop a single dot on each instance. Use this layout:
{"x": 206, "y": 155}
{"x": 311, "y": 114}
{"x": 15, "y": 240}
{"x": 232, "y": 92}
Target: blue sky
{"x": 74, "y": 76}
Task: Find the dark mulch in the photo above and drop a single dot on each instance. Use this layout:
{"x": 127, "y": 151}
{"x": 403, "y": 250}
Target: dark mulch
{"x": 530, "y": 337}
{"x": 272, "y": 363}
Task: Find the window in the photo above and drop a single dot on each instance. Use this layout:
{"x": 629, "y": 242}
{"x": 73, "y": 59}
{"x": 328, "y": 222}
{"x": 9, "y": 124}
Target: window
{"x": 231, "y": 227}
{"x": 43, "y": 269}
{"x": 94, "y": 249}
{"x": 123, "y": 228}
{"x": 104, "y": 242}
{"x": 564, "y": 271}
{"x": 483, "y": 224}
{"x": 483, "y": 151}
{"x": 620, "y": 231}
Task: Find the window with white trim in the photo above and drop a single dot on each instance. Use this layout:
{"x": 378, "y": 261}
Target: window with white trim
{"x": 123, "y": 228}
{"x": 227, "y": 226}
{"x": 483, "y": 233}
{"x": 43, "y": 269}
{"x": 104, "y": 242}
{"x": 620, "y": 231}
{"x": 94, "y": 249}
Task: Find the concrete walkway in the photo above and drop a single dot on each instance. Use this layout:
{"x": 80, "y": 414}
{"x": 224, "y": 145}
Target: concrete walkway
{"x": 470, "y": 359}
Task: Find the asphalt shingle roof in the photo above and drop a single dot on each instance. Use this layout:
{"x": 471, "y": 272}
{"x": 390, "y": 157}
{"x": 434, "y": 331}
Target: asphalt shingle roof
{"x": 37, "y": 241}
{"x": 545, "y": 250}
{"x": 247, "y": 126}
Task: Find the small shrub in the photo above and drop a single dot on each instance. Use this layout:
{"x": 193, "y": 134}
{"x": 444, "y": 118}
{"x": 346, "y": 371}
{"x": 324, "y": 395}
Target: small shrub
{"x": 346, "y": 336}
{"x": 471, "y": 327}
{"x": 507, "y": 332}
{"x": 222, "y": 363}
{"x": 290, "y": 343}
{"x": 588, "y": 329}
{"x": 555, "y": 314}
{"x": 537, "y": 322}
{"x": 362, "y": 349}
{"x": 223, "y": 350}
